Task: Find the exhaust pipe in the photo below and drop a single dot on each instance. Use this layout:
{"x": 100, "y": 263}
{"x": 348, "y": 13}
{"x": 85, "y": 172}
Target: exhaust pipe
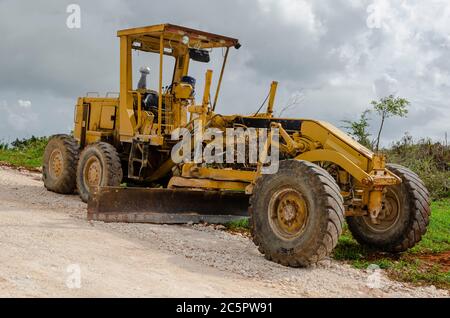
{"x": 142, "y": 84}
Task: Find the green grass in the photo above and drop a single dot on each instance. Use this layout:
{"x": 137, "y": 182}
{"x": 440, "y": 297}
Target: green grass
{"x": 241, "y": 224}
{"x": 436, "y": 240}
{"x": 24, "y": 153}
{"x": 420, "y": 265}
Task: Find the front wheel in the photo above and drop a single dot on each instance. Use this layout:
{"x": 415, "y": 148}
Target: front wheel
{"x": 99, "y": 165}
{"x": 60, "y": 164}
{"x": 296, "y": 214}
{"x": 404, "y": 217}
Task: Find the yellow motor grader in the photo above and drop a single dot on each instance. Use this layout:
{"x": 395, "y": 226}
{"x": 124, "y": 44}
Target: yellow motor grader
{"x": 124, "y": 161}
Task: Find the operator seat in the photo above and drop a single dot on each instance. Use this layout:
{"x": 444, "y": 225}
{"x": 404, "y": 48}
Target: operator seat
{"x": 149, "y": 97}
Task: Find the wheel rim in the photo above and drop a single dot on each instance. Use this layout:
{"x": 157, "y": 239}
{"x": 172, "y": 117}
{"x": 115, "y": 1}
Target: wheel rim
{"x": 56, "y": 165}
{"x": 92, "y": 172}
{"x": 389, "y": 215}
{"x": 288, "y": 213}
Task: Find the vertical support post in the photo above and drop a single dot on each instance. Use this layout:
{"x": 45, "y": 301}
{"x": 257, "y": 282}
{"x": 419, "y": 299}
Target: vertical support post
{"x": 182, "y": 64}
{"x": 262, "y": 157}
{"x": 206, "y": 95}
{"x": 220, "y": 79}
{"x": 161, "y": 60}
{"x": 139, "y": 112}
{"x": 376, "y": 194}
{"x": 126, "y": 116}
{"x": 273, "y": 92}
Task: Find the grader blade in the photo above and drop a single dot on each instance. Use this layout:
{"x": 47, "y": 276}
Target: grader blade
{"x": 165, "y": 206}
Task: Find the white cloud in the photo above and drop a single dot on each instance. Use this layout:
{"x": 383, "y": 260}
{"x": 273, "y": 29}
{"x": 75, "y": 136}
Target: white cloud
{"x": 295, "y": 12}
{"x": 21, "y": 122}
{"x": 406, "y": 55}
{"x": 18, "y": 119}
{"x": 24, "y": 103}
{"x": 385, "y": 86}
{"x": 323, "y": 48}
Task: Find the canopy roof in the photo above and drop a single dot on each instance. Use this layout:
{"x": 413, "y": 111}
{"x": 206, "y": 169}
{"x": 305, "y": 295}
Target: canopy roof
{"x": 148, "y": 38}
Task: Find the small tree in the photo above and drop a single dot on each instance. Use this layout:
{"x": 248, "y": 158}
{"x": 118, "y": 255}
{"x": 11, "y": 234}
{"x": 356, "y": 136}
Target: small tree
{"x": 359, "y": 129}
{"x": 3, "y": 145}
{"x": 389, "y": 107}
{"x": 295, "y": 100}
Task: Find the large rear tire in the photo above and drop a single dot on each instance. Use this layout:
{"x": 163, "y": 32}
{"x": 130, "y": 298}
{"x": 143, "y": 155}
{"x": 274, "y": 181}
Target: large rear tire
{"x": 403, "y": 220}
{"x": 297, "y": 214}
{"x": 99, "y": 165}
{"x": 60, "y": 164}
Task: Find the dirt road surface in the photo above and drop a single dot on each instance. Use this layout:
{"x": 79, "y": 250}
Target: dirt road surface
{"x": 45, "y": 242}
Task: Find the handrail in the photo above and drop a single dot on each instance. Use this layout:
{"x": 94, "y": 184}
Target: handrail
{"x": 97, "y": 94}
{"x": 139, "y": 110}
{"x": 220, "y": 79}
{"x": 112, "y": 93}
{"x": 161, "y": 59}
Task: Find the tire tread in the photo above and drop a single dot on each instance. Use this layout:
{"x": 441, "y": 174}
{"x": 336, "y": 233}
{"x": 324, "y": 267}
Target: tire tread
{"x": 330, "y": 200}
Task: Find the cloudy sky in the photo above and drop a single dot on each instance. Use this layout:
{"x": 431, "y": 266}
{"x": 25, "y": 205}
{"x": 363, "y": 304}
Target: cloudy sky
{"x": 330, "y": 56}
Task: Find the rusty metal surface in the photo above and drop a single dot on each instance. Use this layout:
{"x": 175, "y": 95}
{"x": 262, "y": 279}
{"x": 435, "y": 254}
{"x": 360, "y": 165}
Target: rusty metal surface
{"x": 163, "y": 206}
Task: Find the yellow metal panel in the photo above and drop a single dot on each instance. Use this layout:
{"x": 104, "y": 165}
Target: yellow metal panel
{"x": 182, "y": 90}
{"x": 193, "y": 171}
{"x": 329, "y": 137}
{"x": 337, "y": 158}
{"x": 90, "y": 139}
{"x": 96, "y": 136}
{"x": 95, "y": 111}
{"x": 107, "y": 117}
{"x": 142, "y": 30}
{"x": 179, "y": 182}
{"x": 346, "y": 139}
{"x": 78, "y": 119}
{"x": 153, "y": 140}
{"x": 198, "y": 38}
{"x": 100, "y": 100}
{"x": 99, "y": 133}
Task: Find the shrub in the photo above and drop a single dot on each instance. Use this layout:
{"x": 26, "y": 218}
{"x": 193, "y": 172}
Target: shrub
{"x": 3, "y": 145}
{"x": 430, "y": 160}
{"x": 26, "y": 152}
{"x": 28, "y": 143}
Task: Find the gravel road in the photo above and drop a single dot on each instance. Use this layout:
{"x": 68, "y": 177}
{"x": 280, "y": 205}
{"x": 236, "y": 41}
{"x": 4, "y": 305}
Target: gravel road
{"x": 45, "y": 242}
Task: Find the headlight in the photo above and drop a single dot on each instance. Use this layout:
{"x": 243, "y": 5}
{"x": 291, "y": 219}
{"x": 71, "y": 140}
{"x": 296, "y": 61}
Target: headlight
{"x": 185, "y": 40}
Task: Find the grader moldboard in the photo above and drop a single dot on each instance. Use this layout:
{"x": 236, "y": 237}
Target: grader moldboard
{"x": 119, "y": 160}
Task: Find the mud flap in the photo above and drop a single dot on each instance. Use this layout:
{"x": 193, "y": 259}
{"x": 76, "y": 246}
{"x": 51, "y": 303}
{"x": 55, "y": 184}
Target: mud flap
{"x": 165, "y": 206}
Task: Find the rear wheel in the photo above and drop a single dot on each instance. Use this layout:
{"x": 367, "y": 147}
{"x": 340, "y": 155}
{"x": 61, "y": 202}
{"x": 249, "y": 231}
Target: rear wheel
{"x": 403, "y": 220}
{"x": 99, "y": 165}
{"x": 60, "y": 164}
{"x": 296, "y": 214}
